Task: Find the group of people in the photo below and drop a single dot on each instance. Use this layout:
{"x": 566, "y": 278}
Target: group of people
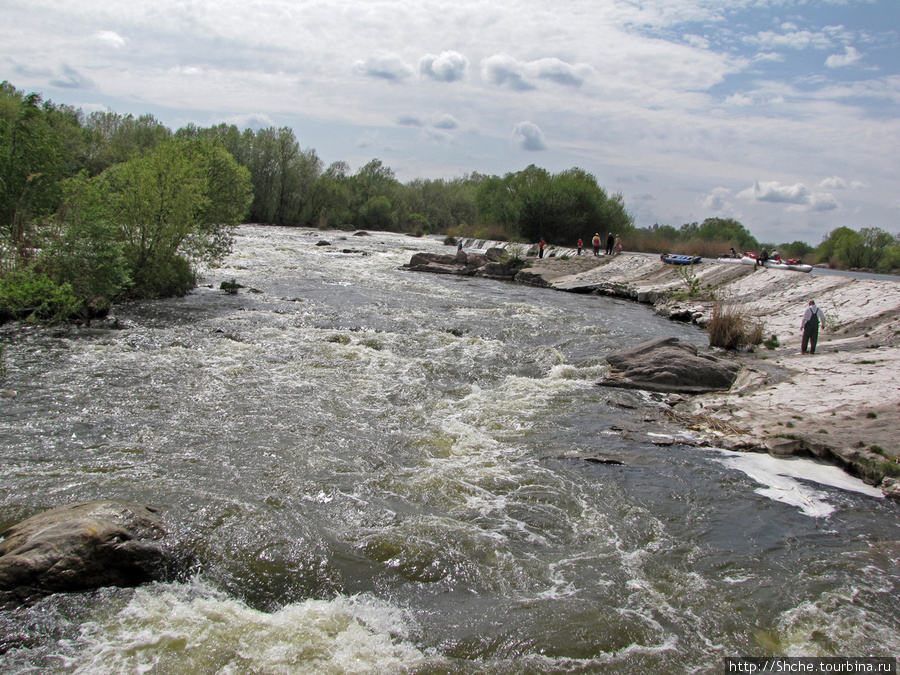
{"x": 613, "y": 244}
{"x": 812, "y": 316}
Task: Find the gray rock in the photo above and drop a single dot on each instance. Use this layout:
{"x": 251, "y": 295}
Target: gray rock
{"x": 891, "y": 488}
{"x": 784, "y": 446}
{"x": 669, "y": 365}
{"x": 79, "y": 547}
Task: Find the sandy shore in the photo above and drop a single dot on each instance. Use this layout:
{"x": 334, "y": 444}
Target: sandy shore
{"x": 841, "y": 404}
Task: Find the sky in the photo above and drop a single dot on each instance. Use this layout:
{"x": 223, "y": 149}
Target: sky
{"x": 782, "y": 114}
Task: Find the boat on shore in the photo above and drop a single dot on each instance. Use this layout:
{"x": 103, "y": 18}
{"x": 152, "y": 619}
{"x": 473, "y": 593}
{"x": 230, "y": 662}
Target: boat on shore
{"x": 788, "y": 265}
{"x": 751, "y": 259}
{"x": 677, "y": 259}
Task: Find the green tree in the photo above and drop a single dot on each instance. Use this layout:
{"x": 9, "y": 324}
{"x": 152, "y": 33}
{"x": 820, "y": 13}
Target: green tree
{"x": 727, "y": 230}
{"x": 32, "y": 163}
{"x": 374, "y": 191}
{"x": 176, "y": 207}
{"x": 332, "y": 197}
{"x": 378, "y": 214}
{"x": 533, "y": 203}
{"x": 112, "y": 138}
{"x": 84, "y": 251}
{"x": 849, "y": 249}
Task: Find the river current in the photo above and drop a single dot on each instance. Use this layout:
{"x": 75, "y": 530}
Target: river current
{"x": 381, "y": 471}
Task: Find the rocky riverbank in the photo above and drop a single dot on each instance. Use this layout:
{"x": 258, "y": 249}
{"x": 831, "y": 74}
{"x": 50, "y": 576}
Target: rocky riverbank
{"x": 841, "y": 404}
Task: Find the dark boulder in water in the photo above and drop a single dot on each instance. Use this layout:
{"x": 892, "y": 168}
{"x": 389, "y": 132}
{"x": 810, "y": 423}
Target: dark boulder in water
{"x": 80, "y": 547}
{"x": 670, "y": 365}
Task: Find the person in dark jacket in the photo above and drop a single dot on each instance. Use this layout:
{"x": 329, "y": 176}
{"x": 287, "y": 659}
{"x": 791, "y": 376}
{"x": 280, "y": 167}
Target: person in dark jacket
{"x": 812, "y": 317}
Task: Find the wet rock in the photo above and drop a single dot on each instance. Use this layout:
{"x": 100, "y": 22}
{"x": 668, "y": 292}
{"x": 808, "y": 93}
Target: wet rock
{"x": 669, "y": 365}
{"x": 782, "y": 447}
{"x": 741, "y": 444}
{"x": 462, "y": 263}
{"x": 230, "y": 287}
{"x": 80, "y": 547}
{"x": 891, "y": 488}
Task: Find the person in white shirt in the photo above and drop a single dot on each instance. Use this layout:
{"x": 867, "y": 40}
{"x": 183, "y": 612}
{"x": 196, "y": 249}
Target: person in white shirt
{"x": 812, "y": 317}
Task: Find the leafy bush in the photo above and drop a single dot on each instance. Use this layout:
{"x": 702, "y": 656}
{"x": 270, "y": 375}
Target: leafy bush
{"x": 691, "y": 280}
{"x": 82, "y": 247}
{"x": 27, "y": 294}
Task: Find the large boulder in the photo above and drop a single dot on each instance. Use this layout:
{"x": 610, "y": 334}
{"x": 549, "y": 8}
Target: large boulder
{"x": 79, "y": 547}
{"x": 463, "y": 264}
{"x": 669, "y": 365}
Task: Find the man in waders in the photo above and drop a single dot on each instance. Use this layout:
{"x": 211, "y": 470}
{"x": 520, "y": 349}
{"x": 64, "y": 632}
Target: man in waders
{"x": 812, "y": 317}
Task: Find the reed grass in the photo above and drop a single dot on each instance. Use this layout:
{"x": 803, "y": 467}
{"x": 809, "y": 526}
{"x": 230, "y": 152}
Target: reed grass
{"x": 732, "y": 327}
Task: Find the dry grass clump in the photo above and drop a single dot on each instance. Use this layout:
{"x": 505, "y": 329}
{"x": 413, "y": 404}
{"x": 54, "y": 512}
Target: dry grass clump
{"x": 732, "y": 327}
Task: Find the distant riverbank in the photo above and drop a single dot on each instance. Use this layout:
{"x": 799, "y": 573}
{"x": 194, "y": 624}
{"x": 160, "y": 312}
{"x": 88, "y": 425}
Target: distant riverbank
{"x": 841, "y": 404}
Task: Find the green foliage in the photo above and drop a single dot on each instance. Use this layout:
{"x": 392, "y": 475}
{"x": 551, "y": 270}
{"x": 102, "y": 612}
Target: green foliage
{"x": 869, "y": 248}
{"x": 691, "y": 280}
{"x": 28, "y": 294}
{"x": 83, "y": 248}
{"x": 561, "y": 208}
{"x": 772, "y": 343}
{"x": 176, "y": 206}
{"x": 32, "y": 161}
{"x": 111, "y": 138}
{"x": 711, "y": 238}
{"x": 377, "y": 214}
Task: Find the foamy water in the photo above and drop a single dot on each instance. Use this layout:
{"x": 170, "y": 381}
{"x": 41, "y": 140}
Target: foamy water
{"x": 377, "y": 471}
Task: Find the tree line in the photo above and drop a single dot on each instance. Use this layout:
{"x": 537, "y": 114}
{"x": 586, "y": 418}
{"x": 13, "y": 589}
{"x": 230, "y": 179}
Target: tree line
{"x": 99, "y": 206}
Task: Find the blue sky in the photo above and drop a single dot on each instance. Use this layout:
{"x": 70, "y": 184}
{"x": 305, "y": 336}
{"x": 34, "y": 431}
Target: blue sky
{"x": 783, "y": 114}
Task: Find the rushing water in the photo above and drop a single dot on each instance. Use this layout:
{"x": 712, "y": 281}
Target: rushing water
{"x": 380, "y": 471}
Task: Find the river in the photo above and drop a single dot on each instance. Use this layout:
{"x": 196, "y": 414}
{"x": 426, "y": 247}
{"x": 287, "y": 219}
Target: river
{"x": 380, "y": 471}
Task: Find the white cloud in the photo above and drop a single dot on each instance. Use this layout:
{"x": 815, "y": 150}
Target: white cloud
{"x": 504, "y": 70}
{"x": 797, "y": 196}
{"x": 254, "y": 121}
{"x": 848, "y": 58}
{"x": 447, "y": 67}
{"x": 792, "y": 38}
{"x": 717, "y": 200}
{"x": 739, "y": 100}
{"x": 110, "y": 37}
{"x": 72, "y": 79}
{"x": 838, "y": 183}
{"x": 410, "y": 121}
{"x": 384, "y": 65}
{"x": 528, "y": 136}
{"x": 773, "y": 191}
{"x": 446, "y": 122}
{"x": 558, "y": 71}
{"x": 698, "y": 41}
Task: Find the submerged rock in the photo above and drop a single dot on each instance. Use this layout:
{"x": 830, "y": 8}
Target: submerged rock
{"x": 80, "y": 547}
{"x": 669, "y": 365}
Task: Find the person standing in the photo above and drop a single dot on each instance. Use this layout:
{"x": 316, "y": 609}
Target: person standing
{"x": 617, "y": 246}
{"x": 610, "y": 242}
{"x": 596, "y": 243}
{"x": 580, "y": 246}
{"x": 812, "y": 317}
{"x": 541, "y": 247}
